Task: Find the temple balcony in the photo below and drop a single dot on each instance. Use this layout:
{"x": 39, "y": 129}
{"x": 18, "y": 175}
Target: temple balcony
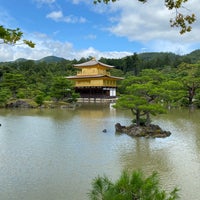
{"x": 93, "y": 73}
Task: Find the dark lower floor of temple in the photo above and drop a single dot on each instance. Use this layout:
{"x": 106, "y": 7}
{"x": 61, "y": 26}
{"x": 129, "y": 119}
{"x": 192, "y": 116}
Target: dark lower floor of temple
{"x": 96, "y": 92}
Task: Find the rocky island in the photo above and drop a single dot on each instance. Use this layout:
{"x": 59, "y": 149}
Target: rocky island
{"x": 151, "y": 130}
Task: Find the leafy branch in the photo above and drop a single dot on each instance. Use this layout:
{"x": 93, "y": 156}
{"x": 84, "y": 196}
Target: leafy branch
{"x": 12, "y": 36}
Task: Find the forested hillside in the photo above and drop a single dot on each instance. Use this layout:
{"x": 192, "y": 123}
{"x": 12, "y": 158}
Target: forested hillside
{"x": 45, "y": 79}
{"x": 138, "y": 62}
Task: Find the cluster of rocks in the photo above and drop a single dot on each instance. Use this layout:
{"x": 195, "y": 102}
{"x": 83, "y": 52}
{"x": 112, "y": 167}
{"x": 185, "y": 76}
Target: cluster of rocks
{"x": 150, "y": 130}
{"x": 19, "y": 104}
{"x": 26, "y": 103}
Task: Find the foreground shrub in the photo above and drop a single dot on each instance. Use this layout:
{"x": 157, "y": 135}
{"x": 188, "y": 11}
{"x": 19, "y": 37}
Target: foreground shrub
{"x": 130, "y": 186}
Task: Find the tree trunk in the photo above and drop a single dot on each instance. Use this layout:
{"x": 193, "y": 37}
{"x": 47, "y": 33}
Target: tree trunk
{"x": 148, "y": 121}
{"x": 137, "y": 117}
{"x": 191, "y": 94}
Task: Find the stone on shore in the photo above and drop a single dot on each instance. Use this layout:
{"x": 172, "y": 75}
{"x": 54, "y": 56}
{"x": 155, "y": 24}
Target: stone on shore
{"x": 21, "y": 103}
{"x": 150, "y": 130}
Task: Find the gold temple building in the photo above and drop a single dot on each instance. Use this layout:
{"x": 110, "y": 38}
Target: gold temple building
{"x": 93, "y": 80}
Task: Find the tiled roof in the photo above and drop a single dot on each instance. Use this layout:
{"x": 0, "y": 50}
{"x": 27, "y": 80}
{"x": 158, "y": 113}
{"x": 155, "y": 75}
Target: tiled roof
{"x": 93, "y": 76}
{"x": 91, "y": 63}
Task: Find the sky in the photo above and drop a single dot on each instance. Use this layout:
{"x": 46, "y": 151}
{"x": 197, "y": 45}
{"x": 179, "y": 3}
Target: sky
{"x": 73, "y": 29}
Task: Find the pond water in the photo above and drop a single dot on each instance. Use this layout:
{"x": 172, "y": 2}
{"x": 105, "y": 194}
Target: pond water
{"x": 55, "y": 154}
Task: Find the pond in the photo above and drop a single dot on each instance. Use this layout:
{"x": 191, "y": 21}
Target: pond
{"x": 55, "y": 154}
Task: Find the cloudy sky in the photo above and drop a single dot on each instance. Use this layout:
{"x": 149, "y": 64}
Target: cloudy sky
{"x": 78, "y": 28}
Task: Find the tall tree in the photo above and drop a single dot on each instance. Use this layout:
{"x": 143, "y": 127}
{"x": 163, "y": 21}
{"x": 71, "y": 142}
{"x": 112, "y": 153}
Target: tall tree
{"x": 189, "y": 76}
{"x": 62, "y": 89}
{"x": 173, "y": 93}
{"x": 131, "y": 64}
{"x": 142, "y": 95}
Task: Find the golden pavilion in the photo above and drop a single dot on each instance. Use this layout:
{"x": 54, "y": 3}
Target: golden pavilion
{"x": 93, "y": 80}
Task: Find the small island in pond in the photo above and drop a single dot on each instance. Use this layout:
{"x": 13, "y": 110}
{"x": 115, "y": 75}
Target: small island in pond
{"x": 144, "y": 95}
{"x": 149, "y": 131}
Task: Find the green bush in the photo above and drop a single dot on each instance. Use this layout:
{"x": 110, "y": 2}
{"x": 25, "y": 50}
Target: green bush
{"x": 39, "y": 99}
{"x": 130, "y": 186}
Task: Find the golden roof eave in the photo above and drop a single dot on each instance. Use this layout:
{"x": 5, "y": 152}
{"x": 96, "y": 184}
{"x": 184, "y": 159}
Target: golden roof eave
{"x": 92, "y": 62}
{"x": 94, "y": 76}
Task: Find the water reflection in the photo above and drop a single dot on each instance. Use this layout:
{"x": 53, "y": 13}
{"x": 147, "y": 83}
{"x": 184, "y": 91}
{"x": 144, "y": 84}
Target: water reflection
{"x": 184, "y": 150}
{"x": 145, "y": 156}
{"x": 48, "y": 154}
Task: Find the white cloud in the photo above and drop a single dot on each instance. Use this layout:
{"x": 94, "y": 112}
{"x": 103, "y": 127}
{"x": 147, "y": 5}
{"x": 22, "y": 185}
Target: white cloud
{"x": 45, "y": 1}
{"x": 46, "y": 46}
{"x": 78, "y": 1}
{"x": 168, "y": 46}
{"x": 55, "y": 15}
{"x": 75, "y": 1}
{"x": 149, "y": 21}
{"x": 82, "y": 19}
{"x": 73, "y": 19}
{"x": 98, "y": 54}
{"x": 58, "y": 16}
{"x": 90, "y": 37}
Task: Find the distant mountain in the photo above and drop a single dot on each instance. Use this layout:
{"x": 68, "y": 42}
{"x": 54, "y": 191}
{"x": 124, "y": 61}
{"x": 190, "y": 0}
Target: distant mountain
{"x": 194, "y": 56}
{"x": 21, "y": 60}
{"x": 50, "y": 59}
{"x": 155, "y": 55}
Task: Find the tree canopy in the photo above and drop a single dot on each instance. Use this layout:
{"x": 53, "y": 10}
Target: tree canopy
{"x": 152, "y": 80}
{"x": 143, "y": 95}
{"x": 188, "y": 76}
{"x": 180, "y": 20}
{"x": 37, "y": 81}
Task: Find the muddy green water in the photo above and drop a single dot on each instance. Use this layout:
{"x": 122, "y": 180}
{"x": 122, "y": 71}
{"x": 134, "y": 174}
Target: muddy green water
{"x": 55, "y": 154}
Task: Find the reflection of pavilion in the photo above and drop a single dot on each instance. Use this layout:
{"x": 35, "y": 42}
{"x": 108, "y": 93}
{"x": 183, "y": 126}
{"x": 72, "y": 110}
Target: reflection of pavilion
{"x": 93, "y": 81}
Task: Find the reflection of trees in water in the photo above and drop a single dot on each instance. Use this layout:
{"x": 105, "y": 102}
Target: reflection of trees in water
{"x": 185, "y": 128}
{"x": 194, "y": 119}
{"x": 186, "y": 122}
{"x": 145, "y": 156}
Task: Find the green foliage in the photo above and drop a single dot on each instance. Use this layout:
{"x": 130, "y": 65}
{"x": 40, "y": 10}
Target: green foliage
{"x": 142, "y": 95}
{"x": 39, "y": 99}
{"x": 21, "y": 94}
{"x": 134, "y": 64}
{"x": 173, "y": 92}
{"x": 130, "y": 186}
{"x": 189, "y": 76}
{"x": 34, "y": 80}
{"x": 5, "y": 95}
{"x": 161, "y": 75}
{"x": 116, "y": 72}
{"x": 194, "y": 56}
{"x": 62, "y": 89}
{"x": 143, "y": 121}
{"x": 13, "y": 82}
{"x": 12, "y": 36}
